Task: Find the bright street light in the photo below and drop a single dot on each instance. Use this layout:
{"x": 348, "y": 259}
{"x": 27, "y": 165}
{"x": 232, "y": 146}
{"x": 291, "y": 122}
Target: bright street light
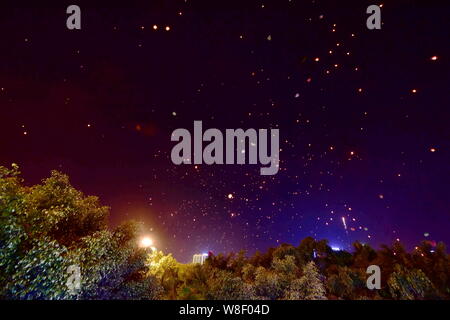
{"x": 146, "y": 242}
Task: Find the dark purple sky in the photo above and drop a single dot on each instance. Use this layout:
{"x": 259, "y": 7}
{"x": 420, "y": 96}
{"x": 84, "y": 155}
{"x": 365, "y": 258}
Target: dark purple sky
{"x": 358, "y": 127}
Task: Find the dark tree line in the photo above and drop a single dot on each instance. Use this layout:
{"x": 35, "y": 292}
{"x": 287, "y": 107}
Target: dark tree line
{"x": 312, "y": 270}
{"x": 48, "y": 227}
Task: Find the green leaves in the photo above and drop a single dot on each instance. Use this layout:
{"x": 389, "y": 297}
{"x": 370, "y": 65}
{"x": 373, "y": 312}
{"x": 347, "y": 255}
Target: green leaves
{"x": 410, "y": 284}
{"x": 310, "y": 286}
{"x": 40, "y": 273}
{"x": 48, "y": 227}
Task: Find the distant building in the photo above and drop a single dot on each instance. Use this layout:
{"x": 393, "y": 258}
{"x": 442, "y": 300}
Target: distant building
{"x": 199, "y": 258}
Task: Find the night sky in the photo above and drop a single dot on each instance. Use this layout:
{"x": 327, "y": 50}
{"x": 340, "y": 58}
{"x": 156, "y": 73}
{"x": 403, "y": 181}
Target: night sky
{"x": 363, "y": 116}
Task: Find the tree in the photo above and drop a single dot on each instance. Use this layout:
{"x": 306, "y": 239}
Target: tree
{"x": 196, "y": 280}
{"x": 309, "y": 287}
{"x": 114, "y": 269}
{"x": 48, "y": 227}
{"x": 39, "y": 273}
{"x": 51, "y": 226}
{"x": 435, "y": 263}
{"x": 286, "y": 271}
{"x": 226, "y": 286}
{"x": 409, "y": 284}
{"x": 237, "y": 262}
{"x": 56, "y": 209}
{"x": 363, "y": 255}
{"x": 267, "y": 284}
{"x": 341, "y": 283}
{"x": 248, "y": 272}
{"x": 286, "y": 266}
{"x": 165, "y": 268}
{"x": 287, "y": 250}
{"x": 306, "y": 250}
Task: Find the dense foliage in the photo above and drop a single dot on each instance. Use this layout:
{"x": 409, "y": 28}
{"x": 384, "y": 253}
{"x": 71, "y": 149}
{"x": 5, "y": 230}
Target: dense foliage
{"x": 311, "y": 271}
{"x": 49, "y": 227}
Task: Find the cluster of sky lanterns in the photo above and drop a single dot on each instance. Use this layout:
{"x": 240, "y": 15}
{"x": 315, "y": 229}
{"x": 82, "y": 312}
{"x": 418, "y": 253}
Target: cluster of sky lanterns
{"x": 155, "y": 27}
